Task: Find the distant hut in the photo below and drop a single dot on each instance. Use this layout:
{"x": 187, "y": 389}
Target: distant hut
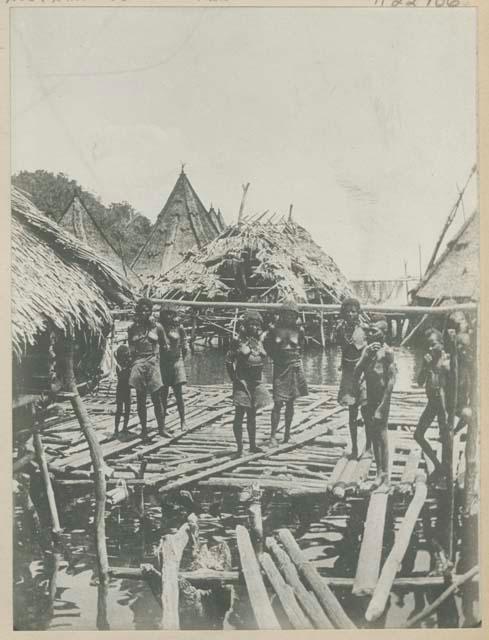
{"x": 182, "y": 224}
{"x": 455, "y": 275}
{"x": 78, "y": 221}
{"x": 258, "y": 261}
{"x": 60, "y": 287}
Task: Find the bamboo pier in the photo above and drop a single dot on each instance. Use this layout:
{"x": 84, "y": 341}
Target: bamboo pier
{"x": 314, "y": 465}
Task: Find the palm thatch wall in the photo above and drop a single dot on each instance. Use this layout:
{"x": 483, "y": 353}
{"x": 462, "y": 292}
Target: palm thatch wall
{"x": 57, "y": 279}
{"x": 255, "y": 261}
{"x": 455, "y": 275}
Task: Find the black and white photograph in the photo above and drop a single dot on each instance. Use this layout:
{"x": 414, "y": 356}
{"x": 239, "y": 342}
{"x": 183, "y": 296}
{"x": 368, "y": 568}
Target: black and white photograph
{"x": 245, "y": 317}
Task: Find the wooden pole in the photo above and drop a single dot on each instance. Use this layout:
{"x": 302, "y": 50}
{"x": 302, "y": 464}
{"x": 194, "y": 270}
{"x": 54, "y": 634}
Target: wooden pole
{"x": 260, "y": 603}
{"x": 170, "y": 554}
{"x": 41, "y": 459}
{"x": 285, "y": 594}
{"x": 255, "y": 519}
{"x": 307, "y": 599}
{"x": 327, "y": 308}
{"x": 447, "y": 455}
{"x": 368, "y": 566}
{"x": 458, "y": 582}
{"x": 97, "y": 458}
{"x": 326, "y": 597}
{"x": 245, "y": 188}
{"x": 393, "y": 562}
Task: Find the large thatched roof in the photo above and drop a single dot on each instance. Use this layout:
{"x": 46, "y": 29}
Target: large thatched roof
{"x": 263, "y": 261}
{"x": 182, "y": 223}
{"x": 455, "y": 275}
{"x": 56, "y": 278}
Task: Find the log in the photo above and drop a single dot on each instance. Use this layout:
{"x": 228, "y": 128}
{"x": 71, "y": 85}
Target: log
{"x": 458, "y": 582}
{"x": 285, "y": 594}
{"x": 99, "y": 468}
{"x": 170, "y": 554}
{"x": 260, "y": 603}
{"x": 326, "y": 597}
{"x": 337, "y": 471}
{"x": 41, "y": 459}
{"x": 368, "y": 566}
{"x": 392, "y": 564}
{"x": 339, "y": 489}
{"x": 307, "y": 600}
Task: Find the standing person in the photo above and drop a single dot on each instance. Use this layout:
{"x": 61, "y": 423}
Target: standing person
{"x": 145, "y": 337}
{"x": 244, "y": 363}
{"x": 284, "y": 343}
{"x": 123, "y": 389}
{"x": 172, "y": 355}
{"x": 378, "y": 366}
{"x": 434, "y": 375}
{"x": 352, "y": 393}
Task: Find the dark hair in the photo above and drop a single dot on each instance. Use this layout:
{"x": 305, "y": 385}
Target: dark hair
{"x": 166, "y": 311}
{"x": 350, "y": 302}
{"x": 141, "y": 303}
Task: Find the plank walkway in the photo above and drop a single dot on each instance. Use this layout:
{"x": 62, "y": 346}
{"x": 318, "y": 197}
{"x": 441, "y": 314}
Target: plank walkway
{"x": 314, "y": 461}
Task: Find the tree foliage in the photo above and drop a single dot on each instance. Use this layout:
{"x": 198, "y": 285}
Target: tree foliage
{"x": 125, "y": 227}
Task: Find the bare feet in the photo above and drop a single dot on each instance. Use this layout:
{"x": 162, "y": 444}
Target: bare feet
{"x": 381, "y": 483}
{"x": 164, "y": 433}
{"x": 273, "y": 441}
{"x": 255, "y": 449}
{"x": 353, "y": 455}
{"x": 183, "y": 426}
{"x": 368, "y": 453}
{"x": 238, "y": 454}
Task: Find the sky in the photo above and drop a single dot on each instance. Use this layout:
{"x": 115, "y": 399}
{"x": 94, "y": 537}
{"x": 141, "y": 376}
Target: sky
{"x": 364, "y": 120}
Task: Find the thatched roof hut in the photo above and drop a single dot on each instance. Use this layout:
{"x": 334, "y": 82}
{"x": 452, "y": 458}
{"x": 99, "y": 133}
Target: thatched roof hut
{"x": 57, "y": 281}
{"x": 455, "y": 275}
{"x": 254, "y": 260}
{"x": 182, "y": 224}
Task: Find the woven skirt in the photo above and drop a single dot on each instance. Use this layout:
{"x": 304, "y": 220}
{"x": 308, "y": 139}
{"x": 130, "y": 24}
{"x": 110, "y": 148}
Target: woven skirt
{"x": 173, "y": 372}
{"x": 251, "y": 395}
{"x": 289, "y": 383}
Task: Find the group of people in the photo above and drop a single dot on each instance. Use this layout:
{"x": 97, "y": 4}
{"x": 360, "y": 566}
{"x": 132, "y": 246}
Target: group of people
{"x": 153, "y": 361}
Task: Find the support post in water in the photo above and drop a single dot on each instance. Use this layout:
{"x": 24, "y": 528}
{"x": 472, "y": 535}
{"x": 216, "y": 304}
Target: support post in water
{"x": 99, "y": 468}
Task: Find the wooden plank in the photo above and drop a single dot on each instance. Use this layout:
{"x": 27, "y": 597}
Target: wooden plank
{"x": 326, "y": 597}
{"x": 260, "y": 603}
{"x": 285, "y": 594}
{"x": 307, "y": 600}
{"x": 368, "y": 566}
{"x": 393, "y": 562}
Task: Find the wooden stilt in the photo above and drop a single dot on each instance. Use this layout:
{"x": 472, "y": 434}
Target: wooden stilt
{"x": 326, "y": 597}
{"x": 99, "y": 468}
{"x": 368, "y": 566}
{"x": 41, "y": 458}
{"x": 260, "y": 603}
{"x": 393, "y": 562}
{"x": 170, "y": 554}
{"x": 285, "y": 594}
{"x": 255, "y": 519}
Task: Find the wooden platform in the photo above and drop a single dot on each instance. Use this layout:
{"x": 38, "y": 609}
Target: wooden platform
{"x": 314, "y": 461}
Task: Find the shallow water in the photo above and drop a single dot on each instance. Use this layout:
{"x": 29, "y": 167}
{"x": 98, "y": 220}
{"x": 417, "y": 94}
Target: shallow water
{"x": 62, "y": 592}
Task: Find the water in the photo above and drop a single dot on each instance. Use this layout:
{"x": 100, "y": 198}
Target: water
{"x": 61, "y": 592}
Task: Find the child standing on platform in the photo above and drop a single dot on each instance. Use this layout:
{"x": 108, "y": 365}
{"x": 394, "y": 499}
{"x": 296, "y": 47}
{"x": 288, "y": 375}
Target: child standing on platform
{"x": 352, "y": 393}
{"x": 378, "y": 366}
{"x": 434, "y": 376}
{"x": 123, "y": 389}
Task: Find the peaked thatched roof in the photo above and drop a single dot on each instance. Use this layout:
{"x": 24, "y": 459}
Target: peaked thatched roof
{"x": 56, "y": 278}
{"x": 182, "y": 223}
{"x": 256, "y": 260}
{"x": 455, "y": 275}
{"x": 78, "y": 221}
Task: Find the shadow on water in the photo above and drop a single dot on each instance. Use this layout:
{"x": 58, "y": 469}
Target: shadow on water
{"x": 61, "y": 591}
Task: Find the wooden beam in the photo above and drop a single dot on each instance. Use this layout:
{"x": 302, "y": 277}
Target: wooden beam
{"x": 285, "y": 594}
{"x": 392, "y": 564}
{"x": 260, "y": 603}
{"x": 368, "y": 566}
{"x": 319, "y": 586}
